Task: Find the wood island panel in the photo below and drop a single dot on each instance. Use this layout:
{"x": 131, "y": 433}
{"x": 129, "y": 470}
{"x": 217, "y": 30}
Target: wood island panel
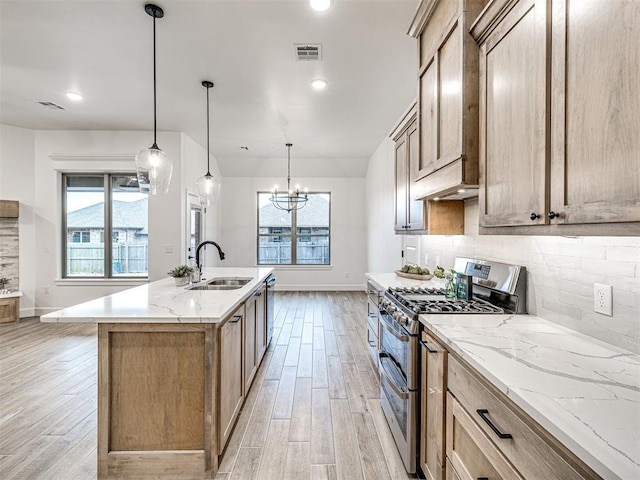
{"x": 156, "y": 400}
{"x": 157, "y": 394}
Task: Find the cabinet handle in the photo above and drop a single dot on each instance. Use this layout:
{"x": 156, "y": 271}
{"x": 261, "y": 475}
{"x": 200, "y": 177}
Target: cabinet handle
{"x": 235, "y": 319}
{"x": 482, "y": 478}
{"x": 428, "y": 348}
{"x": 534, "y": 216}
{"x": 553, "y": 215}
{"x": 373, "y": 315}
{"x": 483, "y": 412}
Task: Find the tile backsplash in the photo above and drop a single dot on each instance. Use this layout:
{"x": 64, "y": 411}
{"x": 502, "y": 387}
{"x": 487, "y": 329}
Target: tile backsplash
{"x": 561, "y": 274}
{"x": 9, "y": 252}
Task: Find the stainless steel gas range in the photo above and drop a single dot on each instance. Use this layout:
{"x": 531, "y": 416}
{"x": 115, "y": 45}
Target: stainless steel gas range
{"x": 493, "y": 288}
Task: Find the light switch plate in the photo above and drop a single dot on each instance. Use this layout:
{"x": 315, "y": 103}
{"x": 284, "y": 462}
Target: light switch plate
{"x": 603, "y": 299}
{"x": 168, "y": 249}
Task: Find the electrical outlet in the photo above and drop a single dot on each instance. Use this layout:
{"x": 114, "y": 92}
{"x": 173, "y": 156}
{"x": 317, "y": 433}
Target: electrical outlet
{"x": 602, "y": 299}
{"x": 346, "y": 274}
{"x": 168, "y": 249}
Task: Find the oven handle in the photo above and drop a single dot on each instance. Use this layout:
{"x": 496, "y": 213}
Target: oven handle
{"x": 389, "y": 327}
{"x": 398, "y": 391}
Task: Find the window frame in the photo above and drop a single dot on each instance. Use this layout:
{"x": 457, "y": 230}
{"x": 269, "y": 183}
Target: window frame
{"x": 294, "y": 235}
{"x": 108, "y": 239}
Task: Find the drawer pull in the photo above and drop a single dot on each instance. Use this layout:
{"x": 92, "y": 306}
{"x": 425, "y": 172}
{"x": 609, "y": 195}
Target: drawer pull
{"x": 428, "y": 348}
{"x": 235, "y": 319}
{"x": 483, "y": 412}
{"x": 482, "y": 478}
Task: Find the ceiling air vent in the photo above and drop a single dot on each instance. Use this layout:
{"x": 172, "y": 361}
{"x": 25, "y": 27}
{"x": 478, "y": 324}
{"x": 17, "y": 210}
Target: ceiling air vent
{"x": 307, "y": 51}
{"x": 51, "y": 105}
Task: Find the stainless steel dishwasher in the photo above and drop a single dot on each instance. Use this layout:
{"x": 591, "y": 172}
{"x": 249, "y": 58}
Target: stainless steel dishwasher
{"x": 270, "y": 283}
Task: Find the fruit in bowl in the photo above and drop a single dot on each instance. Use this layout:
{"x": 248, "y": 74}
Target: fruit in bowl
{"x": 415, "y": 270}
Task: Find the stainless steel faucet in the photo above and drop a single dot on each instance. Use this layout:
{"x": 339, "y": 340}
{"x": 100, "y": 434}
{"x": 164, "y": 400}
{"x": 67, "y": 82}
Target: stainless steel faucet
{"x": 197, "y": 276}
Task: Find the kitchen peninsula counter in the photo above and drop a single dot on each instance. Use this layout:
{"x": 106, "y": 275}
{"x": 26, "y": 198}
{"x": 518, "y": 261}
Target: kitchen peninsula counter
{"x": 171, "y": 365}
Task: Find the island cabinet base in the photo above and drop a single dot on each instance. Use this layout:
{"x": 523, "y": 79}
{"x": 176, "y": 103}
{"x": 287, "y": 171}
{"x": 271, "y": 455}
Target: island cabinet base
{"x": 156, "y": 401}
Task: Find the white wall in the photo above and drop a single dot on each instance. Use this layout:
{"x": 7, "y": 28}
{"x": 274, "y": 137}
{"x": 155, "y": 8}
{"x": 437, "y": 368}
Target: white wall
{"x": 30, "y": 166}
{"x": 384, "y": 246}
{"x": 561, "y": 271}
{"x": 16, "y": 183}
{"x": 348, "y": 234}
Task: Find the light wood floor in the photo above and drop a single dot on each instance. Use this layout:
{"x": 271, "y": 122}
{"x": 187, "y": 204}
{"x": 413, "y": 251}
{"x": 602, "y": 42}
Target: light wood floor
{"x": 312, "y": 413}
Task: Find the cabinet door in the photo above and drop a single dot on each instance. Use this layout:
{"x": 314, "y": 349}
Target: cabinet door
{"x": 261, "y": 326}
{"x": 250, "y": 362}
{"x": 595, "y": 175}
{"x": 513, "y": 127}
{"x": 428, "y": 118}
{"x": 231, "y": 381}
{"x": 433, "y": 391}
{"x": 470, "y": 452}
{"x": 400, "y": 223}
{"x": 415, "y": 208}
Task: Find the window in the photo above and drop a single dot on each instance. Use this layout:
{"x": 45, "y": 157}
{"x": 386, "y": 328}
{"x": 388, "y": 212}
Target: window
{"x": 299, "y": 237}
{"x": 80, "y": 237}
{"x": 105, "y": 223}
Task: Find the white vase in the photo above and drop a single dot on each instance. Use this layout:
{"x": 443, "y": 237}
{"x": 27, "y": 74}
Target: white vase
{"x": 181, "y": 281}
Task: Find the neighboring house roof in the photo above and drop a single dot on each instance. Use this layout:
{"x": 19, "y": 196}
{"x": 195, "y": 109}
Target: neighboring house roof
{"x": 314, "y": 214}
{"x": 126, "y": 215}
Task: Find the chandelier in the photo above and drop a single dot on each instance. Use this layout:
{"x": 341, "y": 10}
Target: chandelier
{"x": 291, "y": 199}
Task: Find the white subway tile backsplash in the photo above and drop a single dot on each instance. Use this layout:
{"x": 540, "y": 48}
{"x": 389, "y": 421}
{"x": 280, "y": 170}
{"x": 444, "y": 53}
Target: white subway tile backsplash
{"x": 561, "y": 274}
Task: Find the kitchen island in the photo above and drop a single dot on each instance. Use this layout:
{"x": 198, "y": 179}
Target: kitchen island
{"x": 171, "y": 371}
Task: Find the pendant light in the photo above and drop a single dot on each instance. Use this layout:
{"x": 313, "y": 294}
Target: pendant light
{"x": 291, "y": 199}
{"x": 154, "y": 166}
{"x": 208, "y": 186}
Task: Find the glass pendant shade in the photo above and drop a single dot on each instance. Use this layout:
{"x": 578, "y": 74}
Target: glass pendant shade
{"x": 154, "y": 168}
{"x": 208, "y": 189}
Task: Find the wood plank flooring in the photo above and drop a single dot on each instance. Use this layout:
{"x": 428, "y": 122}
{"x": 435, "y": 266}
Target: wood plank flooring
{"x": 313, "y": 411}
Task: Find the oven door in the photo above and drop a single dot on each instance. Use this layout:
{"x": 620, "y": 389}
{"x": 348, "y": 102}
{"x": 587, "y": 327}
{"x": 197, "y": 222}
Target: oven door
{"x": 398, "y": 400}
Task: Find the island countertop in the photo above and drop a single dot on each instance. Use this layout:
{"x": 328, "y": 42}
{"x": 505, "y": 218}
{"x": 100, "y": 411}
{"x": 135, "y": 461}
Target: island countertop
{"x": 162, "y": 302}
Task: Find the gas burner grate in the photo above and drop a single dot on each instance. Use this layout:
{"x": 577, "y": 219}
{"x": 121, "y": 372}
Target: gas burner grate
{"x": 416, "y": 291}
{"x": 454, "y": 306}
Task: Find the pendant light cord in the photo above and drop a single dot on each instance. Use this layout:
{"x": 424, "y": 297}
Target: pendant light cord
{"x": 208, "y": 171}
{"x": 155, "y": 128}
{"x": 288, "y": 168}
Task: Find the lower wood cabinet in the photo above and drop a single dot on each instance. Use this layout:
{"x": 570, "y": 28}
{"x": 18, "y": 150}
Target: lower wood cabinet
{"x": 471, "y": 453}
{"x": 261, "y": 324}
{"x": 9, "y": 309}
{"x": 432, "y": 410}
{"x": 231, "y": 392}
{"x": 479, "y": 414}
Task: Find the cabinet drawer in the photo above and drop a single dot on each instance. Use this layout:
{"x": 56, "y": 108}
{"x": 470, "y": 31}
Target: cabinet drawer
{"x": 469, "y": 450}
{"x": 9, "y": 308}
{"x": 531, "y": 455}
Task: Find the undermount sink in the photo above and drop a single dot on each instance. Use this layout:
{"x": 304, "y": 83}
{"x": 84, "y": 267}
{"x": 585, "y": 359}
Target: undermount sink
{"x": 222, "y": 283}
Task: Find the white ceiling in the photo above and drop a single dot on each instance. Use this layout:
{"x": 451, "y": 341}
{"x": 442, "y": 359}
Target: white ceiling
{"x": 262, "y": 96}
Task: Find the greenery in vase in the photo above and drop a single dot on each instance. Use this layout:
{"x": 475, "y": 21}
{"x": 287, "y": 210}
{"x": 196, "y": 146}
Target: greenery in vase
{"x": 440, "y": 272}
{"x": 4, "y": 281}
{"x": 181, "y": 271}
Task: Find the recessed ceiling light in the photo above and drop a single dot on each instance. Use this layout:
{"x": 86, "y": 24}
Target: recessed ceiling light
{"x": 320, "y": 5}
{"x": 319, "y": 84}
{"x": 461, "y": 190}
{"x": 435, "y": 199}
{"x": 76, "y": 97}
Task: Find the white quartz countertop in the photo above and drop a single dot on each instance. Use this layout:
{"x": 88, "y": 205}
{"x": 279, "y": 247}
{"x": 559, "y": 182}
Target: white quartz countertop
{"x": 585, "y": 392}
{"x": 387, "y": 280}
{"x": 163, "y": 302}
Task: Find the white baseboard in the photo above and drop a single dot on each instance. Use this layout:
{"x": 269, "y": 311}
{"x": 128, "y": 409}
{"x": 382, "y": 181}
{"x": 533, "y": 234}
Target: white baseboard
{"x": 27, "y": 312}
{"x": 39, "y": 311}
{"x": 320, "y": 288}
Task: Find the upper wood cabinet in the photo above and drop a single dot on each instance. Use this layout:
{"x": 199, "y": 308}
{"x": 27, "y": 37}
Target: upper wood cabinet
{"x": 447, "y": 96}
{"x": 412, "y": 214}
{"x": 560, "y": 117}
{"x": 409, "y": 212}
